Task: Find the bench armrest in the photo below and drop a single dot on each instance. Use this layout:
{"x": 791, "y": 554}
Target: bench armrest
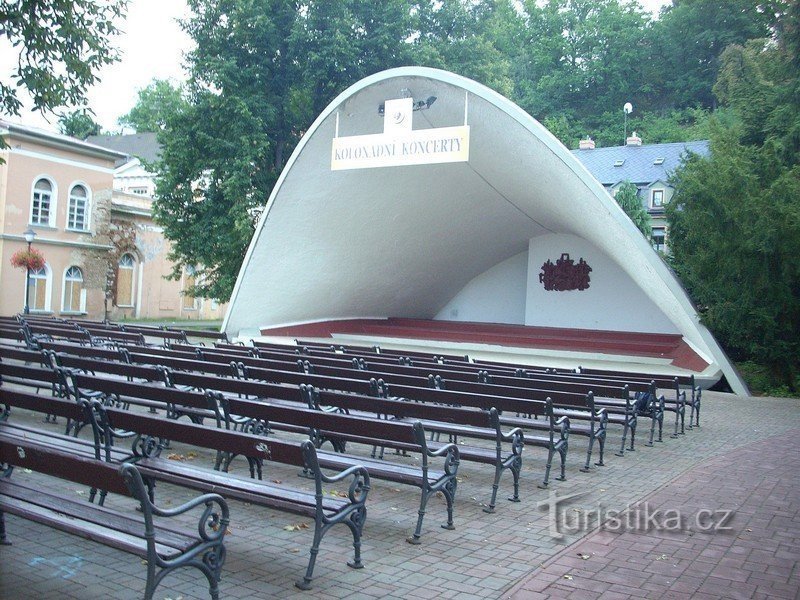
{"x": 359, "y": 485}
{"x": 512, "y": 434}
{"x": 211, "y": 527}
{"x": 562, "y": 423}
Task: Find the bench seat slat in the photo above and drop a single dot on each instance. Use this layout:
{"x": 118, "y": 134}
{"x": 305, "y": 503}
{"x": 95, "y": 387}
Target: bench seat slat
{"x": 90, "y": 531}
{"x": 379, "y": 469}
{"x": 171, "y": 540}
{"x": 231, "y": 486}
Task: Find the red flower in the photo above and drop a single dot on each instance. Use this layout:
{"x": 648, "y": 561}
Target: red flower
{"x": 28, "y": 259}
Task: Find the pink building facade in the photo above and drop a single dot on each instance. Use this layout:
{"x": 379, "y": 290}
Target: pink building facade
{"x": 106, "y": 258}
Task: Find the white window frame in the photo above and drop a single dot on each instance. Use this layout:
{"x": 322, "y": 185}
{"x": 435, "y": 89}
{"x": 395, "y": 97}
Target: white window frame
{"x": 53, "y": 201}
{"x": 48, "y": 290}
{"x": 663, "y": 245}
{"x": 87, "y": 209}
{"x": 653, "y": 197}
{"x": 81, "y": 301}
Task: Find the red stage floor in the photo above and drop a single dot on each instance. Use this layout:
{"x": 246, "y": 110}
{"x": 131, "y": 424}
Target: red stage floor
{"x": 651, "y": 345}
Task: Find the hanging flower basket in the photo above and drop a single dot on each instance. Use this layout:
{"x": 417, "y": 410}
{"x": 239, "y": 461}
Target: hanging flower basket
{"x": 28, "y": 259}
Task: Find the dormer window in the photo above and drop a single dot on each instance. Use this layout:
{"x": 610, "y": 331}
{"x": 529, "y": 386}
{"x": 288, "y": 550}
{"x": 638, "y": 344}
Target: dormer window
{"x": 657, "y": 199}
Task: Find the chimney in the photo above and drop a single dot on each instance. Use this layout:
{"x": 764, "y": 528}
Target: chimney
{"x": 634, "y": 140}
{"x": 587, "y": 144}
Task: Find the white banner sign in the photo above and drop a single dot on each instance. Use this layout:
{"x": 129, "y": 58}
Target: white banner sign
{"x": 398, "y": 145}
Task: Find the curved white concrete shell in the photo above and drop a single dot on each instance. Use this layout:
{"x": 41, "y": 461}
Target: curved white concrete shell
{"x": 453, "y": 241}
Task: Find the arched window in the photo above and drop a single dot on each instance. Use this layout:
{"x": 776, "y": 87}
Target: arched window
{"x": 39, "y": 293}
{"x": 126, "y": 268}
{"x": 73, "y": 291}
{"x": 78, "y": 208}
{"x": 42, "y": 202}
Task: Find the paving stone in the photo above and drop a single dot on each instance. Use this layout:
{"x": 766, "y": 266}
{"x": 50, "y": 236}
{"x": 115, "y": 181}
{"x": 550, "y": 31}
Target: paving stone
{"x": 500, "y": 555}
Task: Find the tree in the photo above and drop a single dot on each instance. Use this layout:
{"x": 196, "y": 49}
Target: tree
{"x": 61, "y": 44}
{"x": 627, "y": 197}
{"x": 735, "y": 217}
{"x": 78, "y": 124}
{"x": 689, "y": 38}
{"x": 582, "y": 57}
{"x": 221, "y": 156}
{"x": 155, "y": 104}
{"x": 471, "y": 39}
{"x": 343, "y": 42}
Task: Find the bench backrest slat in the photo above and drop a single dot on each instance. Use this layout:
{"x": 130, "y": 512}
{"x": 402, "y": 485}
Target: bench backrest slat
{"x": 27, "y": 454}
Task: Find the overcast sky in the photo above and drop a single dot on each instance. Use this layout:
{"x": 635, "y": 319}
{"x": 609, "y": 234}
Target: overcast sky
{"x": 151, "y": 46}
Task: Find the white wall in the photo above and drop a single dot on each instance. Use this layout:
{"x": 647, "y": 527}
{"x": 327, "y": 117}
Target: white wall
{"x": 510, "y": 292}
{"x": 613, "y": 300}
{"x": 495, "y": 296}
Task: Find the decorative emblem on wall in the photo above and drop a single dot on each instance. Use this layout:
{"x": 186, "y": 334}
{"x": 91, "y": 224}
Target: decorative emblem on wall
{"x": 565, "y": 275}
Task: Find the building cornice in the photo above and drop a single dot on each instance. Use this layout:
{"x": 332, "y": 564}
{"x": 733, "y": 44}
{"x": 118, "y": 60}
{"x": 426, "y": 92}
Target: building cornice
{"x": 129, "y": 210}
{"x": 62, "y": 142}
{"x": 51, "y": 242}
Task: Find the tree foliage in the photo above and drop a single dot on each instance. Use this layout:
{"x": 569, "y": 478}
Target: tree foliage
{"x": 735, "y": 217}
{"x": 78, "y": 124}
{"x": 157, "y": 102}
{"x": 690, "y": 37}
{"x": 627, "y": 196}
{"x": 61, "y": 45}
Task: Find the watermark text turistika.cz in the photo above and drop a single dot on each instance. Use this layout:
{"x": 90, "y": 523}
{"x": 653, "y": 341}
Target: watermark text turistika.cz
{"x": 565, "y": 519}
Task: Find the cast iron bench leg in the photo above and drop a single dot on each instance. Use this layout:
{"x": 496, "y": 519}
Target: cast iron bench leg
{"x": 490, "y": 509}
{"x": 356, "y": 524}
{"x": 547, "y": 468}
{"x": 516, "y": 469}
{"x": 562, "y": 451}
{"x": 653, "y": 420}
{"x": 601, "y": 443}
{"x": 585, "y": 468}
{"x": 3, "y": 540}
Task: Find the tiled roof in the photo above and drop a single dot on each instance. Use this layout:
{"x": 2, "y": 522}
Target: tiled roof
{"x": 140, "y": 145}
{"x": 638, "y": 162}
{"x": 52, "y": 138}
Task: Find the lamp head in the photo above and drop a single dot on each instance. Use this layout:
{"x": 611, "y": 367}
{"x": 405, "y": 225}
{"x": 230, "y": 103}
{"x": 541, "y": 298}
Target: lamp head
{"x": 628, "y": 108}
{"x": 29, "y": 234}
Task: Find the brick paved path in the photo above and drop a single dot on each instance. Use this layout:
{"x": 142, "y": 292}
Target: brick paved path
{"x": 755, "y": 554}
{"x": 487, "y": 556}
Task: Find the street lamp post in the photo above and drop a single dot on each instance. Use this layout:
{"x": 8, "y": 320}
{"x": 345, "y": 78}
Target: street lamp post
{"x": 626, "y": 110}
{"x": 29, "y": 234}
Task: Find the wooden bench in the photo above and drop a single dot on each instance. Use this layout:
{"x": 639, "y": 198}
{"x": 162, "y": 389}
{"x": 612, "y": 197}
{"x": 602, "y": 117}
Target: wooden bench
{"x": 555, "y": 441}
{"x": 592, "y": 422}
{"x": 676, "y": 404}
{"x": 151, "y": 433}
{"x": 165, "y": 548}
{"x": 505, "y": 454}
{"x": 201, "y": 334}
{"x": 554, "y": 444}
{"x": 198, "y": 405}
{"x": 595, "y": 430}
{"x": 371, "y": 350}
